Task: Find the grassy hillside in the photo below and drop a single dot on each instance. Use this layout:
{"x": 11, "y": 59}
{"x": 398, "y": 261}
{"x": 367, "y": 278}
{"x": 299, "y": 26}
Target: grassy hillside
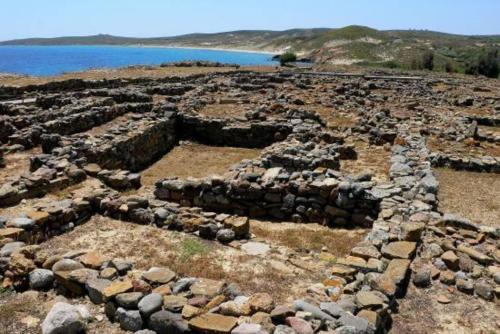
{"x": 348, "y": 45}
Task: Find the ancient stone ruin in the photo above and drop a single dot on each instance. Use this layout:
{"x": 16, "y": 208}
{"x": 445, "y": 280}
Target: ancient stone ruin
{"x": 314, "y": 134}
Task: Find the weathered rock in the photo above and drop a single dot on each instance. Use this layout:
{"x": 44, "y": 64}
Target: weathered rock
{"x": 484, "y": 290}
{"x": 368, "y": 299}
{"x": 213, "y": 323}
{"x": 450, "y": 259}
{"x": 361, "y": 325}
{"x": 41, "y": 279}
{"x": 207, "y": 287}
{"x": 64, "y": 318}
{"x": 466, "y": 286}
{"x": 411, "y": 231}
{"x": 239, "y": 225}
{"x": 10, "y": 247}
{"x": 95, "y": 289}
{"x": 393, "y": 276}
{"x": 261, "y": 302}
{"x": 282, "y": 329}
{"x": 174, "y": 303}
{"x": 167, "y": 322}
{"x": 474, "y": 254}
{"x": 316, "y": 312}
{"x": 399, "y": 249}
{"x": 66, "y": 265}
{"x": 158, "y": 275}
{"x": 116, "y": 288}
{"x": 225, "y": 235}
{"x": 150, "y": 304}
{"x": 280, "y": 313}
{"x": 129, "y": 320}
{"x": 129, "y": 300}
{"x": 92, "y": 260}
{"x": 248, "y": 329}
{"x": 255, "y": 248}
{"x": 300, "y": 326}
{"x": 422, "y": 277}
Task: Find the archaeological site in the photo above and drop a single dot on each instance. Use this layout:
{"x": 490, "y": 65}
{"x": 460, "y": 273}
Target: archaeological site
{"x": 242, "y": 200}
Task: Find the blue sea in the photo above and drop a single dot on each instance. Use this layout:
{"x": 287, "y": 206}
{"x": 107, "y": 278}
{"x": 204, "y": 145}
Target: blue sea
{"x": 53, "y": 60}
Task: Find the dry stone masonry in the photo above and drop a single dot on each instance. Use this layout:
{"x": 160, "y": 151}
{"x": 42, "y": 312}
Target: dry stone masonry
{"x": 110, "y": 131}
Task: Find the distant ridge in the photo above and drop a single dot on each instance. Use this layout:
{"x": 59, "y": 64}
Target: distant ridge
{"x": 351, "y": 44}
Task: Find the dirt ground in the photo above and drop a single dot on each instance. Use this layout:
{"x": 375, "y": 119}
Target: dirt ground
{"x": 470, "y": 194}
{"x": 195, "y": 160}
{"x": 420, "y": 313}
{"x": 17, "y": 163}
{"x": 229, "y": 110}
{"x": 310, "y": 237}
{"x": 483, "y": 148}
{"x": 375, "y": 159}
{"x": 490, "y": 130}
{"x": 282, "y": 272}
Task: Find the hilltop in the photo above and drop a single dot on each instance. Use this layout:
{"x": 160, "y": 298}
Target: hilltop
{"x": 348, "y": 45}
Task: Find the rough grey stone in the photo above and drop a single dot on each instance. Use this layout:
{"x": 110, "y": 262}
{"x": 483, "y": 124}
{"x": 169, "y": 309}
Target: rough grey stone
{"x": 167, "y": 322}
{"x": 41, "y": 279}
{"x": 129, "y": 300}
{"x": 150, "y": 304}
{"x": 282, "y": 329}
{"x": 10, "y": 247}
{"x": 129, "y": 320}
{"x": 64, "y": 318}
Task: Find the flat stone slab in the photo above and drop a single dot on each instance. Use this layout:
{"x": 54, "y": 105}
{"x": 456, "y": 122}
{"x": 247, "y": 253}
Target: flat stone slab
{"x": 255, "y": 248}
{"x": 399, "y": 249}
{"x": 159, "y": 275}
{"x": 207, "y": 287}
{"x": 213, "y": 323}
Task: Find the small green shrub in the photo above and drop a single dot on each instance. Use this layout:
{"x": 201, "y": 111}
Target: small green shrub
{"x": 448, "y": 67}
{"x": 486, "y": 63}
{"x": 428, "y": 60}
{"x": 192, "y": 247}
{"x": 287, "y": 57}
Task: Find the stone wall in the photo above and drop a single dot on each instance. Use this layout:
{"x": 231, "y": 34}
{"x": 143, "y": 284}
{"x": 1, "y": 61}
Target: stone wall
{"x": 484, "y": 164}
{"x": 225, "y": 133}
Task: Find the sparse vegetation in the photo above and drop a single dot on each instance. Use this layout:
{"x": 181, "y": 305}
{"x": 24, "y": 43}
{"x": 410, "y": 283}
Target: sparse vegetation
{"x": 428, "y": 60}
{"x": 486, "y": 63}
{"x": 193, "y": 247}
{"x": 368, "y": 47}
{"x": 287, "y": 57}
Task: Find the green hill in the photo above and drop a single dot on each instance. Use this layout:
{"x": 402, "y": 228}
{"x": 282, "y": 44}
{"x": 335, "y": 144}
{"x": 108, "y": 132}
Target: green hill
{"x": 348, "y": 45}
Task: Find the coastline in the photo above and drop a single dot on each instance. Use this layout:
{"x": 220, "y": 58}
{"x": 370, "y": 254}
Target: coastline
{"x": 275, "y": 52}
{"x": 159, "y": 46}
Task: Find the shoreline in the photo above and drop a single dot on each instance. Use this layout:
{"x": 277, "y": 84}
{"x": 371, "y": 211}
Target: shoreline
{"x": 206, "y": 48}
{"x": 159, "y": 46}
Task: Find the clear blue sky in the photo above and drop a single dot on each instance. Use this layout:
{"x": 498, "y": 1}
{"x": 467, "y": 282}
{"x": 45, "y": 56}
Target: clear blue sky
{"x": 148, "y": 18}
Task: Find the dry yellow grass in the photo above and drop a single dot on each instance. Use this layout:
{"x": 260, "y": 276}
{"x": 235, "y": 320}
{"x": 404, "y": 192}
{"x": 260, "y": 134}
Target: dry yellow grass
{"x": 483, "y": 148}
{"x": 308, "y": 237}
{"x": 196, "y": 160}
{"x": 17, "y": 163}
{"x": 472, "y": 195}
{"x": 147, "y": 246}
{"x": 375, "y": 159}
{"x": 229, "y": 110}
